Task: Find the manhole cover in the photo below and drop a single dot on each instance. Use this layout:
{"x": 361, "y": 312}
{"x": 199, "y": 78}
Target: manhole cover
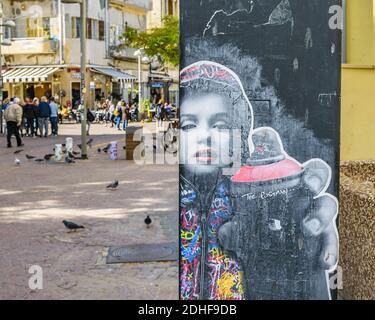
{"x": 143, "y": 253}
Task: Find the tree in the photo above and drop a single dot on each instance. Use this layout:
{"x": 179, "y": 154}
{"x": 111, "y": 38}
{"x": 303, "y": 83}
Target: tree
{"x": 162, "y": 42}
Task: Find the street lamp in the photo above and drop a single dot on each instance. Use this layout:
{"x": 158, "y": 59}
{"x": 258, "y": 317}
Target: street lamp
{"x": 138, "y": 53}
{"x": 83, "y": 7}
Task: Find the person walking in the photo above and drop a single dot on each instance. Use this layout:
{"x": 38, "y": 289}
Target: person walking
{"x": 36, "y": 111}
{"x": 29, "y": 113}
{"x": 118, "y": 115}
{"x": 54, "y": 109}
{"x": 159, "y": 111}
{"x": 44, "y": 112}
{"x": 125, "y": 116}
{"x": 13, "y": 117}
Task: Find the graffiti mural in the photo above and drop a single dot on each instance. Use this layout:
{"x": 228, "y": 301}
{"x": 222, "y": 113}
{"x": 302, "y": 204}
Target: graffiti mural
{"x": 259, "y": 127}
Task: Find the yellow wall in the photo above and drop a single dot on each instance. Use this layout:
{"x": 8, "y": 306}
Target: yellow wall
{"x": 358, "y": 114}
{"x": 358, "y": 83}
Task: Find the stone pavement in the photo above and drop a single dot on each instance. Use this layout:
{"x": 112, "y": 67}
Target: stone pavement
{"x": 35, "y": 198}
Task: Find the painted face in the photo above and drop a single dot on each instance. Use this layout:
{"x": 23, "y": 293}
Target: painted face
{"x": 205, "y": 133}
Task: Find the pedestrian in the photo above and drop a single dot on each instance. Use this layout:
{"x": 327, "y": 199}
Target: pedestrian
{"x": 13, "y": 117}
{"x": 159, "y": 112}
{"x": 36, "y": 124}
{"x": 54, "y": 112}
{"x": 118, "y": 115}
{"x": 29, "y": 112}
{"x": 168, "y": 110}
{"x": 44, "y": 112}
{"x": 90, "y": 118}
{"x": 111, "y": 113}
{"x": 125, "y": 116}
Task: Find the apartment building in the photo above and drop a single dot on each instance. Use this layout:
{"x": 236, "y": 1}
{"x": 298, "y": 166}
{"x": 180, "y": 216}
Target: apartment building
{"x": 163, "y": 80}
{"x": 44, "y": 57}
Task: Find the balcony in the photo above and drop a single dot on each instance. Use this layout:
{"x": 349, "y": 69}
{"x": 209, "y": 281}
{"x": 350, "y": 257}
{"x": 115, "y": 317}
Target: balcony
{"x": 123, "y": 53}
{"x": 31, "y": 46}
{"x": 141, "y": 4}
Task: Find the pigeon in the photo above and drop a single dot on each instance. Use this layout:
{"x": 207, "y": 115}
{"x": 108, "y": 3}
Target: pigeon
{"x": 17, "y": 151}
{"x": 148, "y": 221}
{"x": 39, "y": 160}
{"x": 89, "y": 143}
{"x": 68, "y": 160}
{"x": 99, "y": 150}
{"x": 17, "y": 161}
{"x": 105, "y": 149}
{"x": 48, "y": 156}
{"x": 113, "y": 185}
{"x": 30, "y": 157}
{"x": 72, "y": 226}
{"x": 71, "y": 155}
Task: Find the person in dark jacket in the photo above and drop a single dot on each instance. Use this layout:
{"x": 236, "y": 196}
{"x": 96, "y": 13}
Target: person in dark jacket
{"x": 44, "y": 112}
{"x": 29, "y": 113}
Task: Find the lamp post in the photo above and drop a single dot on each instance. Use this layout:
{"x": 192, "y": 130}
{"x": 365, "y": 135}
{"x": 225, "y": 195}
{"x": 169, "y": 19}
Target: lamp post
{"x": 138, "y": 54}
{"x": 144, "y": 59}
{"x": 8, "y": 24}
{"x": 83, "y": 13}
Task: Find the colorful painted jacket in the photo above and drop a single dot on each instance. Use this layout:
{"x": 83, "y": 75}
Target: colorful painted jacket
{"x": 221, "y": 277}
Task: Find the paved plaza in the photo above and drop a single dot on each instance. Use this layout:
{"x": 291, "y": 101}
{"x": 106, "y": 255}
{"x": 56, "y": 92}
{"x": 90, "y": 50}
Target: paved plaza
{"x": 36, "y": 197}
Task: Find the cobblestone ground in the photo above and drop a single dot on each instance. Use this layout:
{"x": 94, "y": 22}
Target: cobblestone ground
{"x": 35, "y": 198}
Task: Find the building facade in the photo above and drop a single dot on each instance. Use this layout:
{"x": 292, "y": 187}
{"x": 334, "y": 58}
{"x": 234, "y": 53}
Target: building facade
{"x": 44, "y": 57}
{"x": 163, "y": 80}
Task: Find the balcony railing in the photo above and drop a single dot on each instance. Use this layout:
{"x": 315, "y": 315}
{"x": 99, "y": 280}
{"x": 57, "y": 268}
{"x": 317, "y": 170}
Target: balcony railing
{"x": 123, "y": 53}
{"x": 144, "y": 4}
{"x": 31, "y": 46}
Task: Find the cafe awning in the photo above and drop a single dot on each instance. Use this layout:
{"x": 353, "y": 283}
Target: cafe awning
{"x": 114, "y": 73}
{"x": 28, "y": 74}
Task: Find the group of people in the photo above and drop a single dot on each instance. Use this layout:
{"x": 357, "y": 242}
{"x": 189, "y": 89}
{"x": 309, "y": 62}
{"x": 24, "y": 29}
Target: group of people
{"x": 121, "y": 113}
{"x": 30, "y": 118}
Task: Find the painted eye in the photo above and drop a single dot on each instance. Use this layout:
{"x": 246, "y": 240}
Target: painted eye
{"x": 188, "y": 127}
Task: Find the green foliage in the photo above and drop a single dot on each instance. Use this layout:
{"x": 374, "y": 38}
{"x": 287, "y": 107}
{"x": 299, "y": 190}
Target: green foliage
{"x": 162, "y": 42}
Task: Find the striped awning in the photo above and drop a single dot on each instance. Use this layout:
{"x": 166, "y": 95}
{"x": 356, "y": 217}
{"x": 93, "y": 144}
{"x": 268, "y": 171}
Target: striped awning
{"x": 114, "y": 73}
{"x": 28, "y": 74}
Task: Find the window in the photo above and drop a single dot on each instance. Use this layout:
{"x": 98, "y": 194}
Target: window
{"x": 170, "y": 8}
{"x": 68, "y": 26}
{"x": 95, "y": 29}
{"x": 76, "y": 27}
{"x": 89, "y": 28}
{"x": 38, "y": 27}
{"x": 101, "y": 30}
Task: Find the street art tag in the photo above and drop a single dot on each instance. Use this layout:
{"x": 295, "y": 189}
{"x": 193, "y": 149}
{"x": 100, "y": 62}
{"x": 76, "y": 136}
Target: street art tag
{"x": 259, "y": 148}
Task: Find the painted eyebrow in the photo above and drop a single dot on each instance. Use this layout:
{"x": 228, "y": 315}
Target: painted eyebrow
{"x": 189, "y": 117}
{"x": 220, "y": 116}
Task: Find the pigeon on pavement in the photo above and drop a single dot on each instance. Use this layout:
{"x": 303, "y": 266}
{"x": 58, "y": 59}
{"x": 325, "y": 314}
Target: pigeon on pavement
{"x": 89, "y": 143}
{"x": 48, "y": 156}
{"x": 113, "y": 185}
{"x": 72, "y": 226}
{"x": 105, "y": 149}
{"x": 17, "y": 151}
{"x": 30, "y": 157}
{"x": 148, "y": 221}
{"x": 17, "y": 161}
{"x": 69, "y": 161}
